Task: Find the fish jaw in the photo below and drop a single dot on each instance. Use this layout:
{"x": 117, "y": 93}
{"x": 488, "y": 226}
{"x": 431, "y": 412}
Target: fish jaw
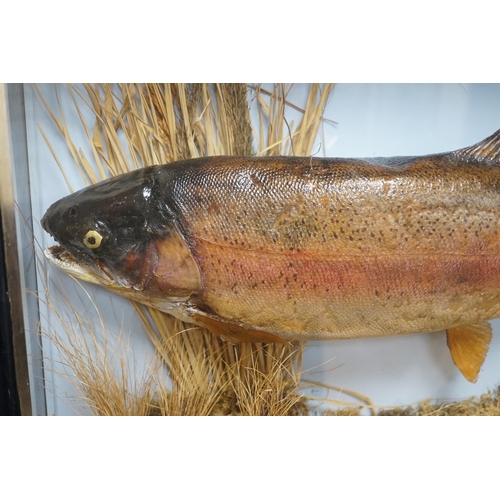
{"x": 175, "y": 306}
{"x": 63, "y": 259}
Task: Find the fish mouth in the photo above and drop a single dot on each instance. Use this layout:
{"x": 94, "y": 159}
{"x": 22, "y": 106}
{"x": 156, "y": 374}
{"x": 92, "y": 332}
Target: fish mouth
{"x": 62, "y": 258}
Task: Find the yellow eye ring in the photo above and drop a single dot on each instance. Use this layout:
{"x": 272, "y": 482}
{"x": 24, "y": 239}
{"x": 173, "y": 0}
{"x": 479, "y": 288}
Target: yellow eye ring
{"x": 92, "y": 239}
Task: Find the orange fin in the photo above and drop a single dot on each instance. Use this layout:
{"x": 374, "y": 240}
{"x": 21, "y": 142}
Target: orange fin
{"x": 469, "y": 346}
{"x": 231, "y": 332}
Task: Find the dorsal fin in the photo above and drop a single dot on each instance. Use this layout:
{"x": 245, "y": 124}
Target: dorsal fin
{"x": 468, "y": 346}
{"x": 234, "y": 333}
{"x": 486, "y": 150}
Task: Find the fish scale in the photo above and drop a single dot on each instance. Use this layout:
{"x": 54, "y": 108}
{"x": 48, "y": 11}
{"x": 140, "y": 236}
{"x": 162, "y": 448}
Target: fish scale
{"x": 281, "y": 218}
{"x": 290, "y": 249}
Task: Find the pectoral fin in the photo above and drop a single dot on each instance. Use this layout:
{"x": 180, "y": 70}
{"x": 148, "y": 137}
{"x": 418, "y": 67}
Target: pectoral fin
{"x": 234, "y": 333}
{"x": 469, "y": 346}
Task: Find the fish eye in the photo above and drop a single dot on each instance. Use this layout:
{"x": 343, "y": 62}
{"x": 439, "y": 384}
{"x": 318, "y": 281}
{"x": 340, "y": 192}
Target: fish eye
{"x": 92, "y": 239}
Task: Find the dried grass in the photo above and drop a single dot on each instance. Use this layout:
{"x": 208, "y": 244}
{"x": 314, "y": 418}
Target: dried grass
{"x": 145, "y": 124}
{"x": 99, "y": 364}
{"x": 485, "y": 405}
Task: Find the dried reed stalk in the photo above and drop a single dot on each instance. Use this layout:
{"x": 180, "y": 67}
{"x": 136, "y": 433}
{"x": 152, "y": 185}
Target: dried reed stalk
{"x": 145, "y": 124}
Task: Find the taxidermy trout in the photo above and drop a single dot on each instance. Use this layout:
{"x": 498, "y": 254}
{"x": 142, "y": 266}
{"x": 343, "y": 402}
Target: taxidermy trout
{"x": 288, "y": 249}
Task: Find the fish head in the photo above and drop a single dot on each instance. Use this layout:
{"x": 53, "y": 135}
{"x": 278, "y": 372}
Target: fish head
{"x": 115, "y": 234}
